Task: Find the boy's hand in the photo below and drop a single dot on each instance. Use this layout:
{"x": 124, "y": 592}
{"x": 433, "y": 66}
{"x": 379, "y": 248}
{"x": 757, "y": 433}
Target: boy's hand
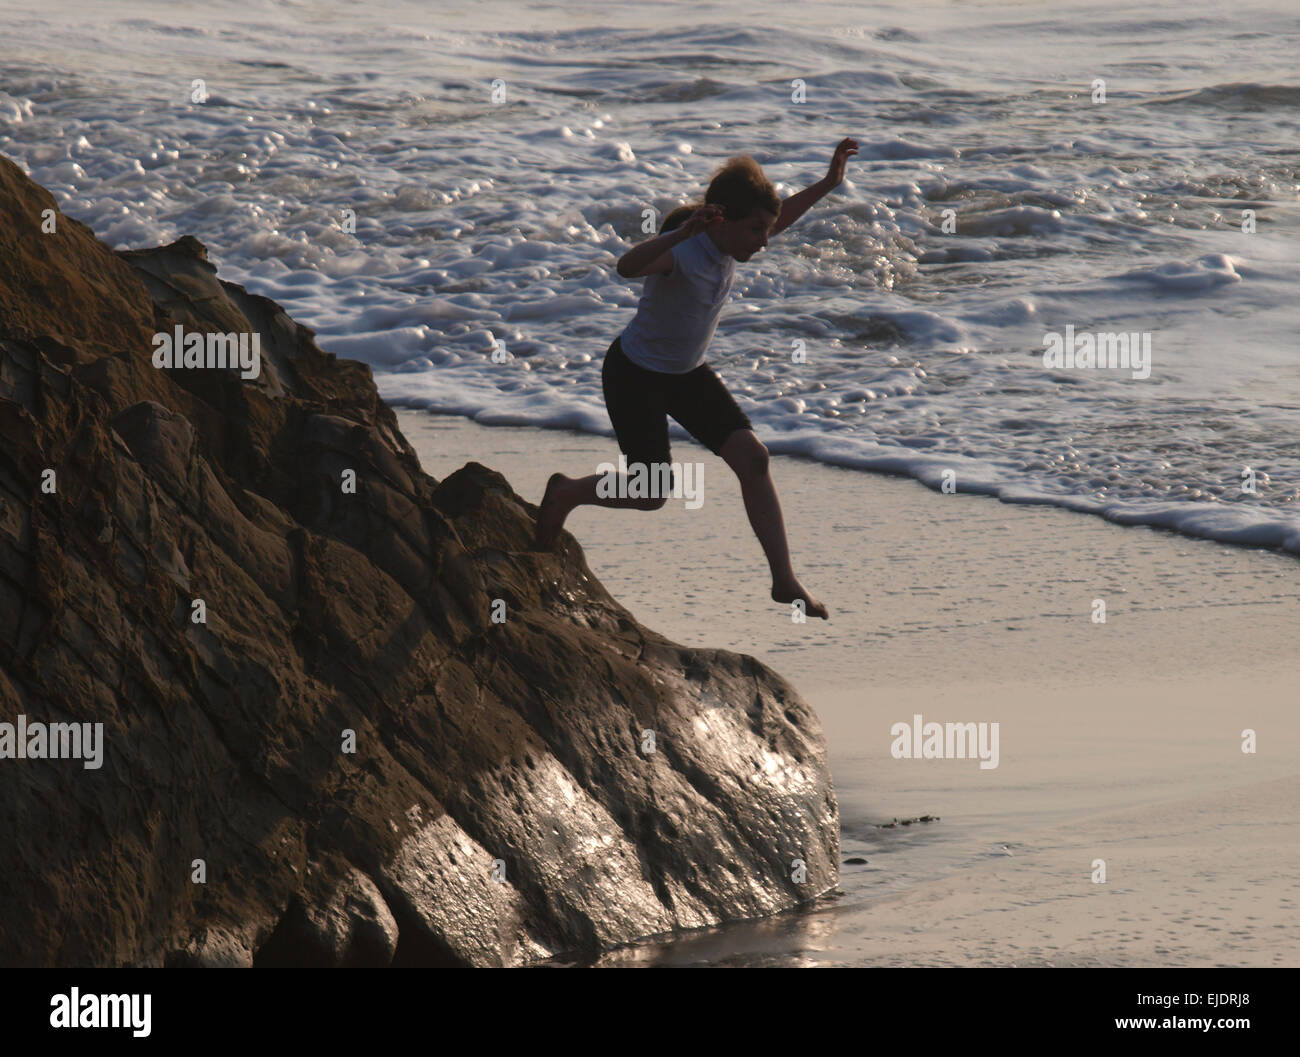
{"x": 843, "y": 151}
{"x": 705, "y": 216}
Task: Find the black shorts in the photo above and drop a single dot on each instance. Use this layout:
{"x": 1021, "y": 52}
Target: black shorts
{"x": 639, "y": 402}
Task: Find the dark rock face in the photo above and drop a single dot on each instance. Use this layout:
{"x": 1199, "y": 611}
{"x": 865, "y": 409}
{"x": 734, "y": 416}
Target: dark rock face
{"x": 372, "y": 769}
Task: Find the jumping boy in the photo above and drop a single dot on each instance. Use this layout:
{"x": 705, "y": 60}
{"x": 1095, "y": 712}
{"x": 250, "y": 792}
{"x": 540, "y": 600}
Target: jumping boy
{"x": 655, "y": 367}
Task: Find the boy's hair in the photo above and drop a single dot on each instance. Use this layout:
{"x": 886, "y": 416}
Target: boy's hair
{"x": 739, "y": 187}
{"x": 678, "y": 217}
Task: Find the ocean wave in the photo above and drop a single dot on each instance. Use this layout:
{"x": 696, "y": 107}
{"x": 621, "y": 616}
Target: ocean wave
{"x": 1242, "y": 96}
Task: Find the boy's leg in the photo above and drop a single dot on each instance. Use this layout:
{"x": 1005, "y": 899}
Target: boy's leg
{"x": 564, "y": 494}
{"x": 710, "y": 413}
{"x": 634, "y": 402}
{"x": 748, "y": 457}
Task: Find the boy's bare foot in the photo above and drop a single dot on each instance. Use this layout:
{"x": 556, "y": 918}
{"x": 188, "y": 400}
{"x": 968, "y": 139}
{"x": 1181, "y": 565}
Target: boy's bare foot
{"x": 789, "y": 592}
{"x": 550, "y": 519}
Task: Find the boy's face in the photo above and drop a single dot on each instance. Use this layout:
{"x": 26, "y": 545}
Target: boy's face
{"x": 746, "y": 237}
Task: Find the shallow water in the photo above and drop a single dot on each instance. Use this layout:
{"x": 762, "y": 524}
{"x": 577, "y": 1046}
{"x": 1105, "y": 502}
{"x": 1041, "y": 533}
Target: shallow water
{"x": 478, "y": 221}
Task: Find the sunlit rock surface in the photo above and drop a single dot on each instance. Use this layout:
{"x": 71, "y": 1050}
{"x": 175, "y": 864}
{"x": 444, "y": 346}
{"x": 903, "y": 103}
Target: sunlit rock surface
{"x": 557, "y": 779}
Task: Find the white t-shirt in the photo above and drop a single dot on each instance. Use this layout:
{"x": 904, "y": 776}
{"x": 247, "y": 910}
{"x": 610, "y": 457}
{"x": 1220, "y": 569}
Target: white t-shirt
{"x": 678, "y": 312}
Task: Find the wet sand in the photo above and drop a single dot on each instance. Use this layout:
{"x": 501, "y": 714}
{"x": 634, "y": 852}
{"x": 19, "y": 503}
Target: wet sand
{"x": 1118, "y": 741}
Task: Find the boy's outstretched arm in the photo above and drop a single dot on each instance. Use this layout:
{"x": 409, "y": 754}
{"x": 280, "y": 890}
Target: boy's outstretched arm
{"x": 797, "y": 205}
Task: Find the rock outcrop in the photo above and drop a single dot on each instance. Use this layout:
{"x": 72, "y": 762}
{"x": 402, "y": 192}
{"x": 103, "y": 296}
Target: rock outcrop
{"x": 350, "y": 716}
